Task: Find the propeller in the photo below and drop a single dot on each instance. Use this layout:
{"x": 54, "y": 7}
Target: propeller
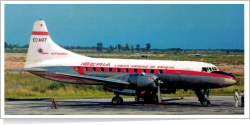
{"x": 158, "y": 84}
{"x": 159, "y": 90}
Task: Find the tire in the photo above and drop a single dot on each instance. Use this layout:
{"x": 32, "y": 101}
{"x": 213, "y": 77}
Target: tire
{"x": 155, "y": 99}
{"x": 150, "y": 100}
{"x": 121, "y": 100}
{"x": 204, "y": 102}
{"x": 208, "y": 102}
{"x": 137, "y": 98}
{"x": 115, "y": 101}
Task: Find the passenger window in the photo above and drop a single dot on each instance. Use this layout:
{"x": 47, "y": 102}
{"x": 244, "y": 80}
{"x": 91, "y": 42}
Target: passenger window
{"x": 160, "y": 71}
{"x": 125, "y": 70}
{"x": 151, "y": 71}
{"x": 110, "y": 69}
{"x": 135, "y": 70}
{"x": 77, "y": 68}
{"x": 85, "y": 69}
{"x": 102, "y": 69}
{"x": 118, "y": 70}
{"x": 94, "y": 69}
{"x": 144, "y": 71}
{"x": 204, "y": 69}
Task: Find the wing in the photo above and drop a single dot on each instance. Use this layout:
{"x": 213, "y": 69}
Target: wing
{"x": 113, "y": 83}
{"x": 99, "y": 79}
{"x": 82, "y": 79}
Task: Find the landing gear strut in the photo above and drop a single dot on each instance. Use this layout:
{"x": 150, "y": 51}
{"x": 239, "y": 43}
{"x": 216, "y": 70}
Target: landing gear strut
{"x": 201, "y": 95}
{"x": 117, "y": 100}
{"x": 137, "y": 95}
{"x": 149, "y": 97}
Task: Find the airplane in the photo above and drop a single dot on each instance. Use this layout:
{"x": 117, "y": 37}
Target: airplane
{"x": 144, "y": 79}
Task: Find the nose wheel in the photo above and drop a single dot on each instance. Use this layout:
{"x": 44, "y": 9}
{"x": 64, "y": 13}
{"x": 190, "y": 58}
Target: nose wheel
{"x": 205, "y": 102}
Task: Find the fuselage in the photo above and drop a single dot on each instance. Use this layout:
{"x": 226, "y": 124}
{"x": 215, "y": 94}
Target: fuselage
{"x": 174, "y": 74}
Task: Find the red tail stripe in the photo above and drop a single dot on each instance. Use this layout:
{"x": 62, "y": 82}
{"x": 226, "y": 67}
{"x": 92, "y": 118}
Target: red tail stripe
{"x": 40, "y": 33}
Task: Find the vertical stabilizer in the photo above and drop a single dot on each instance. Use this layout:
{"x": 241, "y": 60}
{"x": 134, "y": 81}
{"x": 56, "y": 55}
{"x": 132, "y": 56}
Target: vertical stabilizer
{"x": 42, "y": 48}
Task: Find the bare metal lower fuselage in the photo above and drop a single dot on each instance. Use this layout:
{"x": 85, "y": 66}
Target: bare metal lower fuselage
{"x": 177, "y": 81}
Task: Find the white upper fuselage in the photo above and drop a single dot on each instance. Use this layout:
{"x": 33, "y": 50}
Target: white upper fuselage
{"x": 123, "y": 63}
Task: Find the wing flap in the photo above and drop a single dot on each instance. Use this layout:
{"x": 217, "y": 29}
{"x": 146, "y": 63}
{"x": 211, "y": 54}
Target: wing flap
{"x": 99, "y": 79}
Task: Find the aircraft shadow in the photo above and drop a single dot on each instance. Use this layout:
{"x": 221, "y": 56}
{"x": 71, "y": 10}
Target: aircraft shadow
{"x": 125, "y": 103}
{"x": 82, "y": 103}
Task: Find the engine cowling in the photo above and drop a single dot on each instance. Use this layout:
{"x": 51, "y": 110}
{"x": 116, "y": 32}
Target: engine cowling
{"x": 143, "y": 82}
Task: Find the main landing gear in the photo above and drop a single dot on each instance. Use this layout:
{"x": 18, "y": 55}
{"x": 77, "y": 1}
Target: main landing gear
{"x": 117, "y": 100}
{"x": 201, "y": 95}
{"x": 147, "y": 96}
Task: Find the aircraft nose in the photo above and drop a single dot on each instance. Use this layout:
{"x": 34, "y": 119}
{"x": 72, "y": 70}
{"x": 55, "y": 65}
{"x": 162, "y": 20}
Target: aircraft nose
{"x": 230, "y": 81}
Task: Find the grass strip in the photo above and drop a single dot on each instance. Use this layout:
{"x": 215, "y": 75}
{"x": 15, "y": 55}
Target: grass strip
{"x": 28, "y": 86}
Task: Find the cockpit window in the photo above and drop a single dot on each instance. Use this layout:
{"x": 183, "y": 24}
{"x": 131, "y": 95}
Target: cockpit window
{"x": 204, "y": 69}
{"x": 209, "y": 69}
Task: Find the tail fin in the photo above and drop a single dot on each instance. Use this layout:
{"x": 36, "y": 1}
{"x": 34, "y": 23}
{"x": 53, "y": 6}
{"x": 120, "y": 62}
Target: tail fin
{"x": 42, "y": 48}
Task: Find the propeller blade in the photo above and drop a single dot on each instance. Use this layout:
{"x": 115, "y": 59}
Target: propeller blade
{"x": 159, "y": 93}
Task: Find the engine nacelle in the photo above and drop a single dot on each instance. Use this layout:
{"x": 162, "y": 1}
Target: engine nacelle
{"x": 143, "y": 82}
{"x": 125, "y": 92}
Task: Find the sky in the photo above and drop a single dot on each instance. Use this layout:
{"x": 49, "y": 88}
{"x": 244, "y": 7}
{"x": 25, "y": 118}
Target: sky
{"x": 185, "y": 26}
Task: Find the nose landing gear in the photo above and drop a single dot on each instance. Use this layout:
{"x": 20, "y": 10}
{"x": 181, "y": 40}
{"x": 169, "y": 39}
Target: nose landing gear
{"x": 201, "y": 95}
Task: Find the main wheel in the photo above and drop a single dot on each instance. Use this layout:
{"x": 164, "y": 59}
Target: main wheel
{"x": 137, "y": 98}
{"x": 150, "y": 99}
{"x": 116, "y": 101}
{"x": 121, "y": 100}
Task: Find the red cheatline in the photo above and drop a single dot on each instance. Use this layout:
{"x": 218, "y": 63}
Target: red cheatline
{"x": 40, "y": 33}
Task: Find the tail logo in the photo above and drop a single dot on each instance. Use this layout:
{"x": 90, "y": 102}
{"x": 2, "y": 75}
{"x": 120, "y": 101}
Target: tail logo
{"x": 41, "y": 51}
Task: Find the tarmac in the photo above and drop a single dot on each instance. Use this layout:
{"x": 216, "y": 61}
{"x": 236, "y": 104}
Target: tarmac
{"x": 220, "y": 105}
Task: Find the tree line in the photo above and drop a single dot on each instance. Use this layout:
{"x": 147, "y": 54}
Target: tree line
{"x": 6, "y": 45}
{"x": 120, "y": 47}
{"x": 126, "y": 48}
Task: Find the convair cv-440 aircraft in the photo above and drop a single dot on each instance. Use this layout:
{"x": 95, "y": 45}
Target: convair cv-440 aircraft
{"x": 144, "y": 79}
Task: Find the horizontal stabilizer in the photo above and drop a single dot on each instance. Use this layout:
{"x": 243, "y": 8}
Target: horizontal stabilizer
{"x": 30, "y": 69}
{"x": 35, "y": 69}
{"x": 18, "y": 70}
